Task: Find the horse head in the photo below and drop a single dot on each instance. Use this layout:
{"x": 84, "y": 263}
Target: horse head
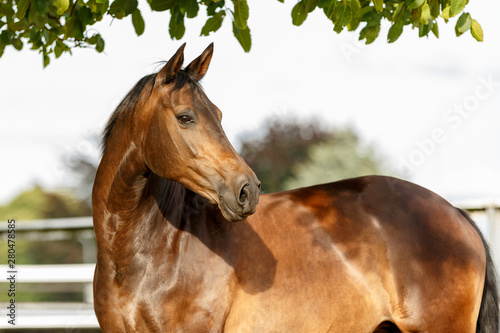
{"x": 184, "y": 141}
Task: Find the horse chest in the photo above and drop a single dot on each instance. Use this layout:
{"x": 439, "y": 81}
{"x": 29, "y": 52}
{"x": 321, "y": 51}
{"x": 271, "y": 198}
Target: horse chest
{"x": 190, "y": 297}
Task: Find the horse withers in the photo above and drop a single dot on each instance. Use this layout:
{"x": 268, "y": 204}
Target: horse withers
{"x": 370, "y": 254}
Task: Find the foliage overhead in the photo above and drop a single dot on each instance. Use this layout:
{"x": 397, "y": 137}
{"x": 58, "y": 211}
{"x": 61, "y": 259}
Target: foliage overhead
{"x": 54, "y": 27}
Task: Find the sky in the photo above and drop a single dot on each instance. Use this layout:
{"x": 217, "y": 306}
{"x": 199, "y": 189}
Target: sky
{"x": 429, "y": 106}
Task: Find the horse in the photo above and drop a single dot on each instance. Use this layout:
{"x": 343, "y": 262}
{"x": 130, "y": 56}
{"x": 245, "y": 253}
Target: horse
{"x": 187, "y": 243}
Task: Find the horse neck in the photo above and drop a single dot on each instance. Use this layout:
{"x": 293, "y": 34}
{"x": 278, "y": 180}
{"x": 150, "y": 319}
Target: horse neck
{"x": 131, "y": 206}
{"x": 119, "y": 180}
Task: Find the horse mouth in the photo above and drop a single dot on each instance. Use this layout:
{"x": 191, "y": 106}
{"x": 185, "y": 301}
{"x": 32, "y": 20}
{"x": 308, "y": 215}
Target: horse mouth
{"x": 234, "y": 212}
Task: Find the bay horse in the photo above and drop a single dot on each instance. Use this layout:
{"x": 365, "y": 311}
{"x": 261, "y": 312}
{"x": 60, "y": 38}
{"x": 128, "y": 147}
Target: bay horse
{"x": 370, "y": 254}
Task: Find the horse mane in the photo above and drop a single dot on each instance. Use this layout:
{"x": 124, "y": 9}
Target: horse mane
{"x": 129, "y": 102}
{"x": 126, "y": 106}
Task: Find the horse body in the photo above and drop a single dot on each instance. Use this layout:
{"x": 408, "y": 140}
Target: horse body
{"x": 371, "y": 254}
{"x": 342, "y": 253}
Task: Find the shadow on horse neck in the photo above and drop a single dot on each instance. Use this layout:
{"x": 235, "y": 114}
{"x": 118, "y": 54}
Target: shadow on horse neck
{"x": 254, "y": 265}
{"x": 170, "y": 217}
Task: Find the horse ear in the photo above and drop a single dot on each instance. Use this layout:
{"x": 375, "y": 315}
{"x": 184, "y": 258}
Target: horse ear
{"x": 172, "y": 67}
{"x": 198, "y": 67}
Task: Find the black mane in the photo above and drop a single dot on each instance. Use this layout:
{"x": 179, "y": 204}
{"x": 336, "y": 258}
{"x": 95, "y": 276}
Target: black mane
{"x": 129, "y": 102}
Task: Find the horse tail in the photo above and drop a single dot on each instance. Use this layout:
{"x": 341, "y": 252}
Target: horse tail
{"x": 488, "y": 320}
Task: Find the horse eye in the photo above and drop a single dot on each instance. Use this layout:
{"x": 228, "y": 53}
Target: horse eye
{"x": 185, "y": 119}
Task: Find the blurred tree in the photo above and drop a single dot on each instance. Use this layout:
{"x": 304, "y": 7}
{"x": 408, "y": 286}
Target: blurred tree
{"x": 37, "y": 203}
{"x": 82, "y": 165}
{"x": 341, "y": 157}
{"x": 291, "y": 153}
{"x": 282, "y": 144}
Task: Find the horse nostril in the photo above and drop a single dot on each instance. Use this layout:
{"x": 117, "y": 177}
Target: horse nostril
{"x": 243, "y": 197}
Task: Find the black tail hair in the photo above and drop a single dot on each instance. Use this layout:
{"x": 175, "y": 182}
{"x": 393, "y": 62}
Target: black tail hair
{"x": 488, "y": 320}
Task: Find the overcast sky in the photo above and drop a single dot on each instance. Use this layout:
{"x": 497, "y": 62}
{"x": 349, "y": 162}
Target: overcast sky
{"x": 430, "y": 106}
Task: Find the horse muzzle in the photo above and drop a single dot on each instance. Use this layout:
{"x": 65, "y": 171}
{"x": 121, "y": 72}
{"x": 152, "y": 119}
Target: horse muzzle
{"x": 240, "y": 200}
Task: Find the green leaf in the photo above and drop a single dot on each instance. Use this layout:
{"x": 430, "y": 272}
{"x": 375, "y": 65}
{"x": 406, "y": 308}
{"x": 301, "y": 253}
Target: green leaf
{"x": 74, "y": 28}
{"x": 425, "y": 14}
{"x": 343, "y": 16}
{"x": 40, "y": 6}
{"x": 243, "y": 36}
{"x": 22, "y": 7}
{"x": 17, "y": 43}
{"x": 446, "y": 13}
{"x": 85, "y": 16}
{"x": 434, "y": 6}
{"x": 39, "y": 20}
{"x": 118, "y": 3}
{"x": 61, "y": 5}
{"x": 122, "y": 8}
{"x": 424, "y": 29}
{"x": 299, "y": 13}
{"x": 435, "y": 29}
{"x": 20, "y": 25}
{"x": 98, "y": 8}
{"x": 116, "y": 9}
{"x": 46, "y": 59}
{"x": 176, "y": 26}
{"x": 370, "y": 33}
{"x": 190, "y": 7}
{"x": 93, "y": 40}
{"x": 413, "y": 4}
{"x": 311, "y": 5}
{"x": 355, "y": 6}
{"x": 130, "y": 6}
{"x": 213, "y": 23}
{"x": 5, "y": 37}
{"x": 162, "y": 5}
{"x": 213, "y": 6}
{"x": 464, "y": 23}
{"x": 241, "y": 13}
{"x": 328, "y": 9}
{"x": 35, "y": 36}
{"x": 100, "y": 44}
{"x": 138, "y": 22}
{"x": 379, "y": 5}
{"x": 59, "y": 49}
{"x": 399, "y": 11}
{"x": 456, "y": 6}
{"x": 476, "y": 31}
{"x": 356, "y": 15}
{"x": 7, "y": 10}
{"x": 395, "y": 31}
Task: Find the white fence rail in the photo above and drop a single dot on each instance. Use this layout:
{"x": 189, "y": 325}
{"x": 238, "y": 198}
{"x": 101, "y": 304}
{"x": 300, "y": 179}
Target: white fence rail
{"x": 67, "y": 316}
